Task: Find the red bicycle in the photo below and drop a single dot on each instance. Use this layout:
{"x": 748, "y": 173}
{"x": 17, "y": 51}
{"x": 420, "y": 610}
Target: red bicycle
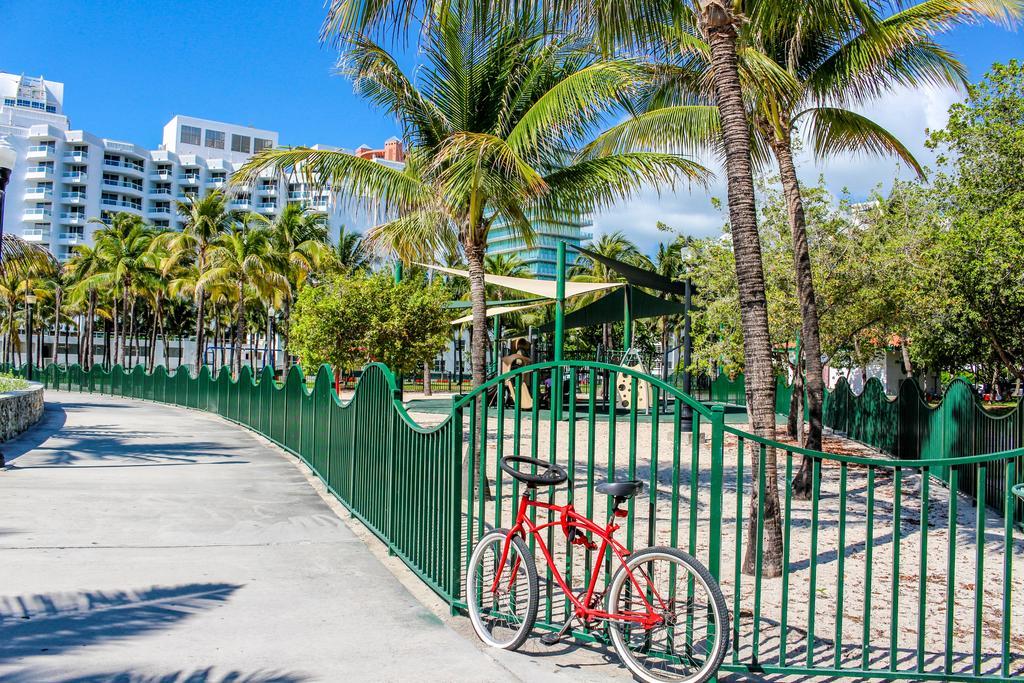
{"x": 664, "y": 612}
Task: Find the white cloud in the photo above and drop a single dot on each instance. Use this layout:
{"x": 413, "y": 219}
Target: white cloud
{"x": 905, "y": 112}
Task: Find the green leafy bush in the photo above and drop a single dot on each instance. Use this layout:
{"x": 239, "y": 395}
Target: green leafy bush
{"x": 9, "y": 382}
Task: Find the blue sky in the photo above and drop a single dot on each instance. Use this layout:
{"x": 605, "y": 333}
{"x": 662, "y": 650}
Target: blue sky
{"x": 128, "y": 67}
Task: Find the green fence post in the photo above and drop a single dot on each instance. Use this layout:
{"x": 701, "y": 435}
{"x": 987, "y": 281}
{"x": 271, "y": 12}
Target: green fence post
{"x": 717, "y": 464}
{"x": 560, "y": 301}
{"x": 455, "y": 501}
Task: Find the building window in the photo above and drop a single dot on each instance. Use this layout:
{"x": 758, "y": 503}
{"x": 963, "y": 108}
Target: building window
{"x": 215, "y": 138}
{"x": 240, "y": 143}
{"x": 190, "y": 135}
{"x": 260, "y": 144}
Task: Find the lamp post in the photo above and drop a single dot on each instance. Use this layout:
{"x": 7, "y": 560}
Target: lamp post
{"x": 30, "y": 302}
{"x": 7, "y": 158}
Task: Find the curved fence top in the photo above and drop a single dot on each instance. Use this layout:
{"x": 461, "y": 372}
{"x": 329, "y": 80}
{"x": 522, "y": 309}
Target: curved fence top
{"x": 668, "y": 389}
{"x": 890, "y": 463}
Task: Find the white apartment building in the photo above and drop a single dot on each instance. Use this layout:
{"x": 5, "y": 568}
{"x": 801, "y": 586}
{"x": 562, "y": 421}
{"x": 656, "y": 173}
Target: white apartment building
{"x": 65, "y": 177}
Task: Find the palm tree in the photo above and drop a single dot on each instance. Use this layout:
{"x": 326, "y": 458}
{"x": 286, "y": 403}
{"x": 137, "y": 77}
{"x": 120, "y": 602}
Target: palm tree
{"x": 799, "y": 76}
{"x": 835, "y": 71}
{"x": 84, "y": 263}
{"x": 492, "y": 117}
{"x": 205, "y": 219}
{"x": 244, "y": 262}
{"x": 299, "y": 238}
{"x": 124, "y": 249}
{"x": 351, "y": 252}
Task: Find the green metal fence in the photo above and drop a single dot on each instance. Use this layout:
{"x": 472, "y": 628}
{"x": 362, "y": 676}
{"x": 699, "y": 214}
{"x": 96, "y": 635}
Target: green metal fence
{"x": 885, "y": 572}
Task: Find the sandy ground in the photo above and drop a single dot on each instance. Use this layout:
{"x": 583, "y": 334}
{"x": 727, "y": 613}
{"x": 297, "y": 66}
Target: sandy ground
{"x": 814, "y": 559}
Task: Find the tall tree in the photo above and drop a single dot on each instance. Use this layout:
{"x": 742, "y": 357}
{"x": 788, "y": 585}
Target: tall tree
{"x": 494, "y": 117}
{"x": 244, "y": 261}
{"x": 205, "y": 220}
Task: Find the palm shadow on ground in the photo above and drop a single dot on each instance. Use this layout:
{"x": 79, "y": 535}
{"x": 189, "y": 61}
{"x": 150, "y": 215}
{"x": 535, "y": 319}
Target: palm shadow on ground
{"x": 50, "y": 623}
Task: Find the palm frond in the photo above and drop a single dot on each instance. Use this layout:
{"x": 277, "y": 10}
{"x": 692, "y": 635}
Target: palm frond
{"x": 353, "y": 179}
{"x": 837, "y": 131}
{"x": 679, "y": 129}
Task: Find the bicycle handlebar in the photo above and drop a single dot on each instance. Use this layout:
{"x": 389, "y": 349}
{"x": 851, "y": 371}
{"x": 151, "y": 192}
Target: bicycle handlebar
{"x": 548, "y": 474}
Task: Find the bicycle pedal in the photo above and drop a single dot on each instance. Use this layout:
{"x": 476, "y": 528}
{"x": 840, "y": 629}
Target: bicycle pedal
{"x": 550, "y": 639}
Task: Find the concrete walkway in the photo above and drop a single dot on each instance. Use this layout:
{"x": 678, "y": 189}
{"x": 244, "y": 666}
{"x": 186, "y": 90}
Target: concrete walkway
{"x": 147, "y": 543}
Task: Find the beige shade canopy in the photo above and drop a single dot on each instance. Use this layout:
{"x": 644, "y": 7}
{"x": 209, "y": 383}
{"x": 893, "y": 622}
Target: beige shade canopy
{"x": 499, "y": 310}
{"x": 545, "y": 288}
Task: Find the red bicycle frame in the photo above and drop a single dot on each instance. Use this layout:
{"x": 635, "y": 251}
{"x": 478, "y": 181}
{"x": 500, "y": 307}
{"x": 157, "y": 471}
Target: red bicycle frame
{"x": 569, "y": 519}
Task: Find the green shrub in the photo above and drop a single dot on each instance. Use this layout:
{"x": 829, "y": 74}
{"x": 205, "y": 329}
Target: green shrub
{"x": 9, "y": 382}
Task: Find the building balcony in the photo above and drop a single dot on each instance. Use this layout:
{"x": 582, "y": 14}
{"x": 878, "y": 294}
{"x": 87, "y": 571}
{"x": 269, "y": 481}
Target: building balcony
{"x": 73, "y": 218}
{"x": 121, "y": 204}
{"x": 35, "y": 235}
{"x": 267, "y": 208}
{"x": 161, "y": 191}
{"x": 134, "y": 170}
{"x": 71, "y": 238}
{"x": 74, "y": 155}
{"x": 188, "y": 179}
{"x": 160, "y": 210}
{"x": 131, "y": 187}
{"x": 40, "y": 153}
{"x": 298, "y": 195}
{"x": 216, "y": 182}
{"x": 75, "y": 176}
{"x": 269, "y": 190}
{"x": 37, "y": 215}
{"x": 37, "y": 173}
{"x": 241, "y": 204}
{"x": 72, "y": 197}
{"x": 38, "y": 194}
{"x": 162, "y": 175}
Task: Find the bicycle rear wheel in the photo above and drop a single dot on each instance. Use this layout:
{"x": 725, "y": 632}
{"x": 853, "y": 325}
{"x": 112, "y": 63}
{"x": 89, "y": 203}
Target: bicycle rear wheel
{"x": 689, "y": 643}
{"x": 503, "y": 617}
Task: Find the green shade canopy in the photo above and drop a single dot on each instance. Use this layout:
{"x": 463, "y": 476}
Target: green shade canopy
{"x": 636, "y": 276}
{"x": 610, "y": 307}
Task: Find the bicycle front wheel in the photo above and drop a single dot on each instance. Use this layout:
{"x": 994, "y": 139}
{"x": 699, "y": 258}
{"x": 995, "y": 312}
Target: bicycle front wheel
{"x": 689, "y": 641}
{"x": 502, "y": 598}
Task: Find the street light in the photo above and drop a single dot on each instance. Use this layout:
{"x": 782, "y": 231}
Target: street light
{"x": 7, "y": 158}
{"x": 30, "y": 301}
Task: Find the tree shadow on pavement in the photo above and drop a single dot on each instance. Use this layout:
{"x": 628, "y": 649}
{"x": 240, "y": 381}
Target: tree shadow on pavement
{"x": 53, "y": 421}
{"x": 205, "y": 675}
{"x": 51, "y": 623}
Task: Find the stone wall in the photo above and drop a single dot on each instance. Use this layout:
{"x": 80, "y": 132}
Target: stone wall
{"x": 19, "y": 410}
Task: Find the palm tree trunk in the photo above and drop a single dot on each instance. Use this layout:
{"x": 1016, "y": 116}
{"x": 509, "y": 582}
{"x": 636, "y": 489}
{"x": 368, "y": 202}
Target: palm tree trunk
{"x": 200, "y": 311}
{"x": 56, "y": 324}
{"x": 478, "y": 348}
{"x": 810, "y": 339}
{"x": 239, "y": 331}
{"x": 130, "y": 345}
{"x": 108, "y": 358}
{"x": 152, "y": 333}
{"x": 166, "y": 343}
{"x": 115, "y": 309}
{"x": 218, "y": 343}
{"x": 282, "y": 329}
{"x": 90, "y": 329}
{"x": 719, "y": 23}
